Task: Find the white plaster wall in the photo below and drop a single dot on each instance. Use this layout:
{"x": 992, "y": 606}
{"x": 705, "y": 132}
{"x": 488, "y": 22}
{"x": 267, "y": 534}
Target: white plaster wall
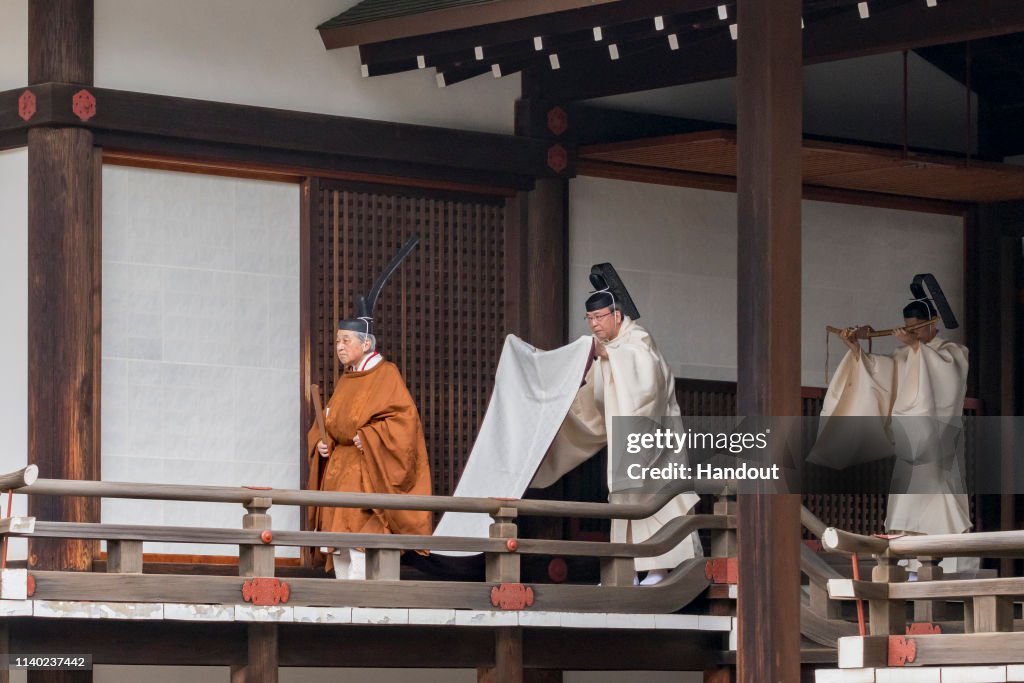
{"x": 675, "y": 249}
{"x": 13, "y": 44}
{"x": 268, "y": 53}
{"x": 860, "y": 99}
{"x": 14, "y": 330}
{"x": 1018, "y": 160}
{"x": 200, "y": 342}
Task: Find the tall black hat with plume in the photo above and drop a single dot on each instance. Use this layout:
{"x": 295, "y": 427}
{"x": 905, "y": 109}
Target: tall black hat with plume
{"x": 365, "y": 305}
{"x": 608, "y": 289}
{"x": 929, "y": 302}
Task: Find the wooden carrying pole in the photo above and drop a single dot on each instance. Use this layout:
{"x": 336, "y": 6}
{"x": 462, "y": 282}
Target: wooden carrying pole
{"x": 868, "y": 332}
{"x": 321, "y": 426}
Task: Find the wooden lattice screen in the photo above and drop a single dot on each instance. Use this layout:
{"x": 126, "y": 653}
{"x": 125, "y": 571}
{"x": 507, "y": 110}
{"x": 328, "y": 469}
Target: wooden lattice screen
{"x": 440, "y": 318}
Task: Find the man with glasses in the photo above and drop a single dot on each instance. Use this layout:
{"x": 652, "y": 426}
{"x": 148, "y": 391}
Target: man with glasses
{"x": 629, "y": 378}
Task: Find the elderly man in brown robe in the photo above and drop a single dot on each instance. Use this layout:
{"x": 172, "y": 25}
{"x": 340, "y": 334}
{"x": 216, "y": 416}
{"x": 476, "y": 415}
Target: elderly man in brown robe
{"x": 375, "y": 445}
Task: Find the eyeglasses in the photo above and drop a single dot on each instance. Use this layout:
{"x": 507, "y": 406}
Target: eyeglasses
{"x": 592, "y": 318}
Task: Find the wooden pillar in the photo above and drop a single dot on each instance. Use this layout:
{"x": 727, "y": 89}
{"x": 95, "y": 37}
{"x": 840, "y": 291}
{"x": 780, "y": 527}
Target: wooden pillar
{"x": 768, "y": 97}
{"x": 537, "y": 257}
{"x": 994, "y": 233}
{"x": 63, "y": 269}
{"x": 262, "y": 656}
{"x": 508, "y": 658}
{"x": 544, "y": 226}
{"x": 547, "y": 248}
{"x": 309, "y": 229}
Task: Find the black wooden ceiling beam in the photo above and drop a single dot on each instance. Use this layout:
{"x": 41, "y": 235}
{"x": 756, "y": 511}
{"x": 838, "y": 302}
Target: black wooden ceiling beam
{"x": 581, "y": 47}
{"x": 457, "y": 74}
{"x": 706, "y": 58}
{"x": 583, "y": 19}
{"x": 908, "y": 25}
{"x": 513, "y": 40}
{"x": 175, "y": 118}
{"x": 911, "y": 25}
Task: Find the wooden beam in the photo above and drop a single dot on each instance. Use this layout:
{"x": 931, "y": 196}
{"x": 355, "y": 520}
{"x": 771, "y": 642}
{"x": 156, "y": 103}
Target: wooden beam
{"x": 508, "y": 658}
{"x": 844, "y": 36}
{"x": 183, "y": 643}
{"x": 719, "y": 183}
{"x": 907, "y": 26}
{"x": 952, "y": 649}
{"x": 63, "y": 293}
{"x": 262, "y": 658}
{"x": 174, "y": 118}
{"x": 288, "y": 167}
{"x": 466, "y": 16}
{"x": 582, "y": 19}
{"x": 573, "y": 49}
{"x": 227, "y": 590}
{"x": 768, "y": 97}
{"x": 957, "y": 588}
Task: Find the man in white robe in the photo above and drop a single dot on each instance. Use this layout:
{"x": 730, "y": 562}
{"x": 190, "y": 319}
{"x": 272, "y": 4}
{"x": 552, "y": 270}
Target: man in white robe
{"x": 922, "y": 386}
{"x": 629, "y": 377}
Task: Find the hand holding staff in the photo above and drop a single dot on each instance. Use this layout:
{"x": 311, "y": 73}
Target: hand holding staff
{"x": 868, "y": 332}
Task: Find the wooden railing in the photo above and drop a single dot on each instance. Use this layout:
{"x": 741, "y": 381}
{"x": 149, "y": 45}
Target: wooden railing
{"x": 983, "y": 631}
{"x": 257, "y": 541}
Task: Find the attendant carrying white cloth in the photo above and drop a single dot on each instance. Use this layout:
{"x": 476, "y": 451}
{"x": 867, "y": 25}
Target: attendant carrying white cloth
{"x": 634, "y": 380}
{"x": 532, "y": 393}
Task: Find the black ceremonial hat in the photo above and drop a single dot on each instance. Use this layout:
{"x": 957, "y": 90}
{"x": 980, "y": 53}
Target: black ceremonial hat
{"x": 925, "y": 284}
{"x": 363, "y": 319}
{"x": 608, "y": 289}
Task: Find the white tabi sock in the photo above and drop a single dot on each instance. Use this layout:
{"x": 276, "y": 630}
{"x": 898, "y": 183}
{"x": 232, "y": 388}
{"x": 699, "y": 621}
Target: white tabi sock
{"x": 654, "y": 577}
{"x": 342, "y": 563}
{"x": 357, "y": 565}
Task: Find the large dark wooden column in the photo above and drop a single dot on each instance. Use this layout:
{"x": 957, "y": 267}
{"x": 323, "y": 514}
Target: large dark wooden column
{"x": 994, "y": 234}
{"x": 768, "y": 98}
{"x": 63, "y": 269}
{"x": 543, "y": 225}
{"x": 261, "y": 656}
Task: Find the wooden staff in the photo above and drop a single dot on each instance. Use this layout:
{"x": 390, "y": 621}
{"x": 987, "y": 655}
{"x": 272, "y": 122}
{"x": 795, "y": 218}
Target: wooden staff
{"x": 321, "y": 425}
{"x": 870, "y": 332}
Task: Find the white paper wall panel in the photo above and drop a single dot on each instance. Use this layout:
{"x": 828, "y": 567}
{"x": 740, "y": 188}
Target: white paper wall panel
{"x": 200, "y": 341}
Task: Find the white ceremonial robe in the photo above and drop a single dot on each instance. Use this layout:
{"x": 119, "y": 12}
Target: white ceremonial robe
{"x": 634, "y": 381}
{"x": 927, "y": 383}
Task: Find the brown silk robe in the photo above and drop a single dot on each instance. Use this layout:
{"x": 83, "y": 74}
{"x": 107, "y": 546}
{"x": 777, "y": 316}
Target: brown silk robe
{"x": 375, "y": 404}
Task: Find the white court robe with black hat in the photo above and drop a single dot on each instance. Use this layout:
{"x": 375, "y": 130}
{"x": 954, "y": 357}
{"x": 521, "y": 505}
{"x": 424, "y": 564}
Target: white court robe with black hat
{"x": 634, "y": 381}
{"x": 929, "y": 382}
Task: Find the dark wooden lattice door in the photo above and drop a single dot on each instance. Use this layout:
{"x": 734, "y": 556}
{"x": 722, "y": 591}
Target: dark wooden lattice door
{"x": 441, "y": 316}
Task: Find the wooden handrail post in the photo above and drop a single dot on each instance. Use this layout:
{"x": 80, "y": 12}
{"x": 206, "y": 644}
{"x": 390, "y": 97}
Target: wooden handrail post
{"x": 383, "y": 564}
{"x": 253, "y": 559}
{"x": 124, "y": 557}
{"x": 887, "y": 617}
{"x": 723, "y": 541}
{"x": 503, "y": 567}
{"x": 929, "y": 610}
